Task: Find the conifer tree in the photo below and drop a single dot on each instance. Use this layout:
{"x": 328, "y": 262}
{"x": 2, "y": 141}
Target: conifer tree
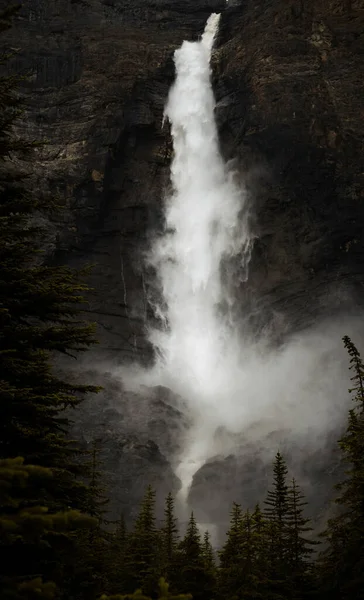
{"x": 30, "y": 535}
{"x": 39, "y": 317}
{"x": 169, "y": 542}
{"x": 260, "y": 559}
{"x": 259, "y": 526}
{"x": 207, "y": 552}
{"x": 299, "y": 546}
{"x": 88, "y": 575}
{"x": 143, "y": 549}
{"x": 342, "y": 563}
{"x": 194, "y": 578}
{"x": 250, "y": 564}
{"x": 191, "y": 544}
{"x": 117, "y": 557}
{"x": 276, "y": 515}
{"x": 98, "y": 499}
{"x": 209, "y": 567}
{"x": 231, "y": 577}
{"x": 241, "y": 573}
{"x": 276, "y": 509}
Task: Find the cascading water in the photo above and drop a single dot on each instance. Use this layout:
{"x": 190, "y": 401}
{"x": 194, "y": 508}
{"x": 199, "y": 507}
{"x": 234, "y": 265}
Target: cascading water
{"x": 205, "y": 222}
{"x": 230, "y": 386}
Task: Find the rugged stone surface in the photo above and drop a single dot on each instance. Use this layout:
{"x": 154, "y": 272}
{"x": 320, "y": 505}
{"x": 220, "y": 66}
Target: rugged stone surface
{"x": 289, "y": 84}
{"x": 246, "y": 474}
{"x": 289, "y": 87}
{"x": 100, "y": 77}
{"x": 139, "y": 433}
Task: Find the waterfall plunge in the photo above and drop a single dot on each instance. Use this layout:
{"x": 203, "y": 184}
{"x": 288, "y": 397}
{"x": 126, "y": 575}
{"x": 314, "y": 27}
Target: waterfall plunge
{"x": 205, "y": 222}
{"x": 299, "y": 387}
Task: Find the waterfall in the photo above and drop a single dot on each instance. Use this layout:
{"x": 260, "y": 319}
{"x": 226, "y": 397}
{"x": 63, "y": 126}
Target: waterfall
{"x": 204, "y": 223}
{"x": 231, "y": 388}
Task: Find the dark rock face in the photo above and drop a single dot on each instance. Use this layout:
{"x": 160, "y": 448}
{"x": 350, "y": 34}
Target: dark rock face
{"x": 139, "y": 434}
{"x": 289, "y": 85}
{"x": 101, "y": 70}
{"x": 247, "y": 474}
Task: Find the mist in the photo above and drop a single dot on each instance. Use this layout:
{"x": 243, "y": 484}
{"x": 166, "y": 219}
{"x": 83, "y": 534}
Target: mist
{"x": 227, "y": 383}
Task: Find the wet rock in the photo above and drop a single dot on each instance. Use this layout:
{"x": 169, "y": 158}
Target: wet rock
{"x": 245, "y": 475}
{"x": 139, "y": 435}
{"x": 288, "y": 78}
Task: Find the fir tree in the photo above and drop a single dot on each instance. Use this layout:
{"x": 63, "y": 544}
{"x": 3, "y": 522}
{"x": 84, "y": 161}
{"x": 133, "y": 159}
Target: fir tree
{"x": 209, "y": 567}
{"x": 299, "y": 547}
{"x": 276, "y": 514}
{"x": 88, "y": 575}
{"x": 143, "y": 549}
{"x": 342, "y": 563}
{"x": 31, "y": 535}
{"x": 231, "y": 577}
{"x": 208, "y": 553}
{"x": 98, "y": 499}
{"x": 194, "y": 578}
{"x": 169, "y": 541}
{"x": 117, "y": 557}
{"x": 241, "y": 567}
{"x": 40, "y": 307}
{"x": 259, "y": 550}
{"x": 39, "y": 317}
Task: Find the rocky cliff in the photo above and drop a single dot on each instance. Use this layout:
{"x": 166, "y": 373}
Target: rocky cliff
{"x": 288, "y": 78}
{"x": 289, "y": 87}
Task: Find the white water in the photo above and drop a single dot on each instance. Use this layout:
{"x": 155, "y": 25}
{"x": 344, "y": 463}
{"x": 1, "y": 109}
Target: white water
{"x": 226, "y": 383}
{"x": 205, "y": 221}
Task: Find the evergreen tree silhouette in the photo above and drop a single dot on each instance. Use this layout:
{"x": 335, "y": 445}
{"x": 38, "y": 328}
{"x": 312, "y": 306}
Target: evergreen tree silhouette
{"x": 40, "y": 307}
{"x": 276, "y": 515}
{"x": 31, "y": 536}
{"x": 117, "y": 557}
{"x": 231, "y": 578}
{"x": 194, "y": 578}
{"x": 169, "y": 542}
{"x": 300, "y": 547}
{"x": 342, "y": 563}
{"x": 143, "y": 548}
{"x": 90, "y": 569}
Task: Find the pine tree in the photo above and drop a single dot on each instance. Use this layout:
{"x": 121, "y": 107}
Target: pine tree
{"x": 231, "y": 577}
{"x": 259, "y": 581}
{"x": 241, "y": 573}
{"x": 342, "y": 563}
{"x": 194, "y": 578}
{"x": 39, "y": 317}
{"x": 209, "y": 567}
{"x": 276, "y": 514}
{"x": 259, "y": 527}
{"x": 300, "y": 547}
{"x": 30, "y": 535}
{"x": 143, "y": 548}
{"x": 40, "y": 308}
{"x": 98, "y": 499}
{"x": 249, "y": 563}
{"x": 208, "y": 553}
{"x": 169, "y": 542}
{"x": 117, "y": 557}
{"x": 88, "y": 575}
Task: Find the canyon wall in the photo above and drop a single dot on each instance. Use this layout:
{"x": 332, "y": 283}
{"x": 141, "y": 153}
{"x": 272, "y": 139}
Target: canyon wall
{"x": 288, "y": 79}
